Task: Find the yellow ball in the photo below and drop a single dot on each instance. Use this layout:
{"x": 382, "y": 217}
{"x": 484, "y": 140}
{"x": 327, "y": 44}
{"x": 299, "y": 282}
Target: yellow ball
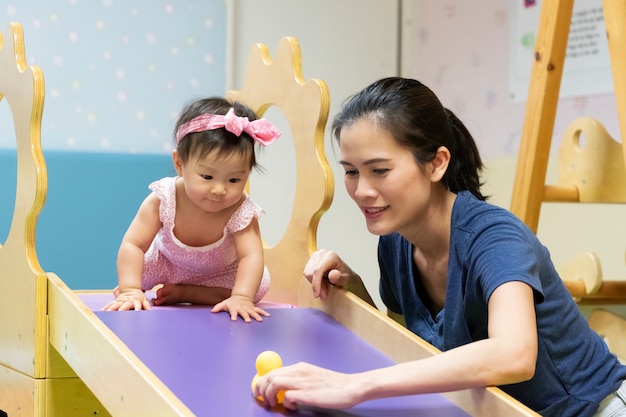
{"x": 265, "y": 362}
{"x": 268, "y": 360}
{"x": 280, "y": 397}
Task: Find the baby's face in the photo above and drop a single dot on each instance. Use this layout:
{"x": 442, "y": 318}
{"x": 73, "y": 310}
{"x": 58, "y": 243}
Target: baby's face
{"x": 216, "y": 182}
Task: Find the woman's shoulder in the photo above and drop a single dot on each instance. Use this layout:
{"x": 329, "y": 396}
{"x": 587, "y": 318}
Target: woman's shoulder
{"x": 475, "y": 219}
{"x": 469, "y": 209}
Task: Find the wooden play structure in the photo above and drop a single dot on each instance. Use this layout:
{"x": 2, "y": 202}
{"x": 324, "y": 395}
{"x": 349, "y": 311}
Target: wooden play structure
{"x": 57, "y": 358}
{"x": 593, "y": 173}
{"x": 306, "y": 106}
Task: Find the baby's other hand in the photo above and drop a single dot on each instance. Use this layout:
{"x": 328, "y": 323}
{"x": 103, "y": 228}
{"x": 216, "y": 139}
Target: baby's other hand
{"x": 133, "y": 299}
{"x": 169, "y": 294}
{"x": 239, "y": 305}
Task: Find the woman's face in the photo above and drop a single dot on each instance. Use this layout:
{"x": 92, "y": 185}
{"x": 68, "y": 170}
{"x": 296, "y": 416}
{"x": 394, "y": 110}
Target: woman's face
{"x": 384, "y": 180}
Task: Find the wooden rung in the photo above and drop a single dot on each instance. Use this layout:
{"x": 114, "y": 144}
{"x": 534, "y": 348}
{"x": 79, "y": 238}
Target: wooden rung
{"x": 610, "y": 292}
{"x": 561, "y": 194}
{"x": 576, "y": 288}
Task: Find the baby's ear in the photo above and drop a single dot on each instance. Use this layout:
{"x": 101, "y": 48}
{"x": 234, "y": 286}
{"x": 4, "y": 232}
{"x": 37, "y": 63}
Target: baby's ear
{"x": 178, "y": 163}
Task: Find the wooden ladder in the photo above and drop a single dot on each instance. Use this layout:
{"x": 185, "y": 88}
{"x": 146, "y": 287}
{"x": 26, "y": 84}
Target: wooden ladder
{"x": 530, "y": 190}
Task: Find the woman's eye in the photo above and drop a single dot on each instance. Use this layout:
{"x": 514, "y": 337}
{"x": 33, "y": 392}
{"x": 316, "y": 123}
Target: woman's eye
{"x": 351, "y": 173}
{"x": 381, "y": 171}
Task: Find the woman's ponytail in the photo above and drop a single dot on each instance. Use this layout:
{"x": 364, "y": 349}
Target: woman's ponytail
{"x": 465, "y": 162}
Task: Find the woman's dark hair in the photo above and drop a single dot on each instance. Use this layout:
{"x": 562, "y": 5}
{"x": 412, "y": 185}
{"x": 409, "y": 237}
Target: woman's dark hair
{"x": 417, "y": 120}
{"x": 200, "y": 144}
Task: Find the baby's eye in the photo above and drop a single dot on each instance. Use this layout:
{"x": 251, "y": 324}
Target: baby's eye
{"x": 351, "y": 173}
{"x": 234, "y": 180}
{"x": 207, "y": 177}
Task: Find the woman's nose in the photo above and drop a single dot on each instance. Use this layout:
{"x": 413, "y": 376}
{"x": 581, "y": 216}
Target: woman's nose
{"x": 363, "y": 189}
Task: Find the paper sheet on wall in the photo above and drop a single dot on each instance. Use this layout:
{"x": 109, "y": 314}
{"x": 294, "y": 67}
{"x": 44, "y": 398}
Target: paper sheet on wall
{"x": 587, "y": 68}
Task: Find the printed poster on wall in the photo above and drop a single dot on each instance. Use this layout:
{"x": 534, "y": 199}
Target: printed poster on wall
{"x": 587, "y": 69}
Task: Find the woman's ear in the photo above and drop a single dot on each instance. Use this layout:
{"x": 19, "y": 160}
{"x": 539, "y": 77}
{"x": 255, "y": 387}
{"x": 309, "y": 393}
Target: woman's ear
{"x": 178, "y": 163}
{"x": 439, "y": 164}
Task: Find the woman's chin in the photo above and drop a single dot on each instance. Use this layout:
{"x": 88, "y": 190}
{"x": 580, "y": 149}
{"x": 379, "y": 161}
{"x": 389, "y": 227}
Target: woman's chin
{"x": 378, "y": 229}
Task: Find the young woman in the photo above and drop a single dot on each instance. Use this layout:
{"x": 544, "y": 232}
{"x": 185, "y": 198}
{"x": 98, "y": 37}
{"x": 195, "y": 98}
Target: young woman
{"x": 466, "y": 276}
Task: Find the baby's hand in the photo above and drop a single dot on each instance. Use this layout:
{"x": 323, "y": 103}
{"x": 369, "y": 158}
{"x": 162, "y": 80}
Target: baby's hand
{"x": 169, "y": 294}
{"x": 239, "y": 305}
{"x": 133, "y": 299}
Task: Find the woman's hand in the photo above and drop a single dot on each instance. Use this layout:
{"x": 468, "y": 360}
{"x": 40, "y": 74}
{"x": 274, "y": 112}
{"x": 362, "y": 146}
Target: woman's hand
{"x": 239, "y": 305}
{"x": 306, "y": 384}
{"x": 326, "y": 268}
{"x": 131, "y": 299}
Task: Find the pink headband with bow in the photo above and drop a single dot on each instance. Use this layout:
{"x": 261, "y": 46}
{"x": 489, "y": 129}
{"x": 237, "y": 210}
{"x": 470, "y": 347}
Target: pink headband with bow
{"x": 261, "y": 130}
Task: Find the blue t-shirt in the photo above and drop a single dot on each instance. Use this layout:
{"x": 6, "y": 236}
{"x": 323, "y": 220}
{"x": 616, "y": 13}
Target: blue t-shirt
{"x": 489, "y": 246}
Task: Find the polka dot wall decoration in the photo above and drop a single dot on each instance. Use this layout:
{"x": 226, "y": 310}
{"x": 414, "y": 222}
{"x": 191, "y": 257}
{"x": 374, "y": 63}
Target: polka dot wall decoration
{"x": 118, "y": 72}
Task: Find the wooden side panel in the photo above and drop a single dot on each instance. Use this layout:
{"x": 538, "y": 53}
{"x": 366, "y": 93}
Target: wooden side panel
{"x": 22, "y": 282}
{"x": 306, "y": 106}
{"x": 24, "y": 396}
{"x": 592, "y": 160}
{"x": 19, "y": 393}
{"x": 69, "y": 397}
{"x": 615, "y": 22}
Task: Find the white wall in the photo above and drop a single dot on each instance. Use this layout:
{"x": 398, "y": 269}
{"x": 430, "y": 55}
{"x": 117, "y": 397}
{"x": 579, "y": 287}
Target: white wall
{"x": 348, "y": 44}
{"x": 467, "y": 65}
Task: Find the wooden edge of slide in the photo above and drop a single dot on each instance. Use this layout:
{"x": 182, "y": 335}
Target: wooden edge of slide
{"x": 120, "y": 381}
{"x": 402, "y": 345}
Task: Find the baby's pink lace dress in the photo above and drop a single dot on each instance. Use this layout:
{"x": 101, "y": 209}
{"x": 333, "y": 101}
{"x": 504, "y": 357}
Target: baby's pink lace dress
{"x": 169, "y": 261}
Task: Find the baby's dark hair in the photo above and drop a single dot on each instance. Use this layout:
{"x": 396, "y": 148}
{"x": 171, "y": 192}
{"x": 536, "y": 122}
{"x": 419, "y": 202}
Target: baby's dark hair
{"x": 417, "y": 120}
{"x": 200, "y": 144}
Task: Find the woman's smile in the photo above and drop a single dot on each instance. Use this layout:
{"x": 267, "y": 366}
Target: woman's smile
{"x": 373, "y": 212}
